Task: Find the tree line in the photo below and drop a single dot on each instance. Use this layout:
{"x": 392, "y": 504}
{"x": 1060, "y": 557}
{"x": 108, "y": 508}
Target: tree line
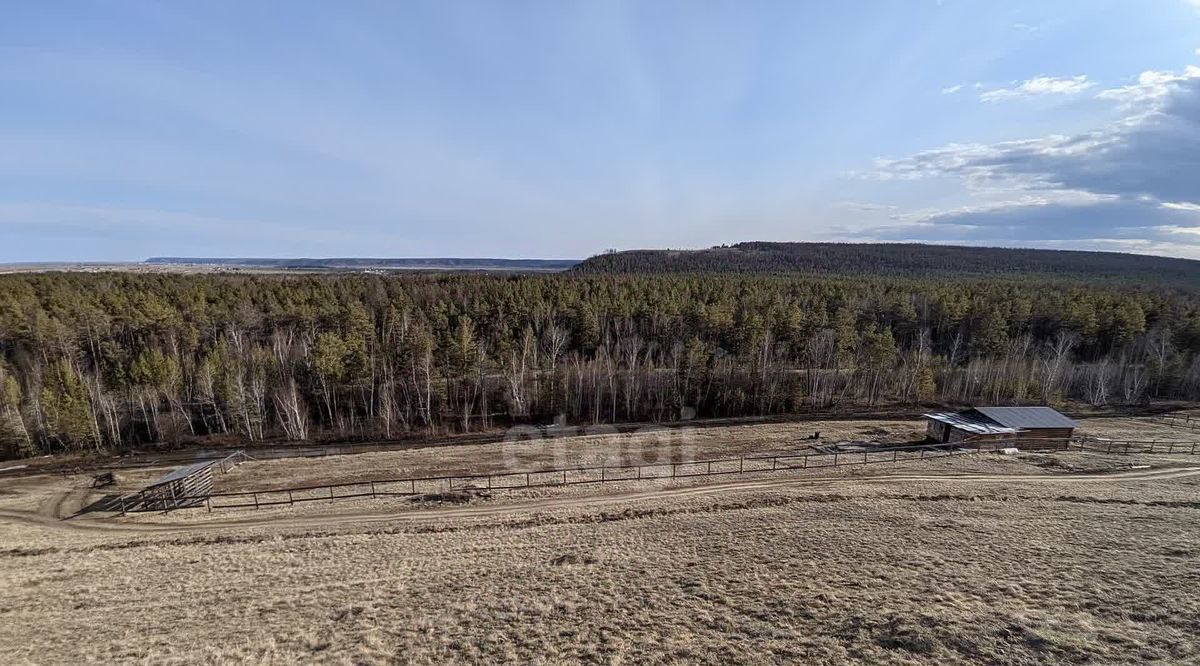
{"x": 92, "y": 362}
{"x": 899, "y": 259}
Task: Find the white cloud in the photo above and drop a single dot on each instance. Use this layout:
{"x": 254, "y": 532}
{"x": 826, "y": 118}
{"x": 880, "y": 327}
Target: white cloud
{"x": 1132, "y": 183}
{"x": 1038, "y": 86}
{"x": 1151, "y": 86}
{"x": 952, "y": 89}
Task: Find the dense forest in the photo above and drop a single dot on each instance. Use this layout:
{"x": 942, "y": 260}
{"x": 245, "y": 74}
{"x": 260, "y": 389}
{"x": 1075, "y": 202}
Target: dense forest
{"x": 115, "y": 360}
{"x": 899, "y": 259}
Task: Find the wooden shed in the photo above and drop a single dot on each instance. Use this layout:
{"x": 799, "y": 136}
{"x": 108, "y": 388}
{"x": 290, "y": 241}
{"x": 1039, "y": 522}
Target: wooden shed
{"x": 946, "y": 427}
{"x": 180, "y": 488}
{"x": 1039, "y": 427}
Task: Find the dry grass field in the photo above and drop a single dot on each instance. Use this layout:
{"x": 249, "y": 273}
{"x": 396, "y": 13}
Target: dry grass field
{"x": 1037, "y": 558}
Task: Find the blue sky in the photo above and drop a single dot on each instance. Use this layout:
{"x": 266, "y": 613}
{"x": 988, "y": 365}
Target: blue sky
{"x": 559, "y": 129}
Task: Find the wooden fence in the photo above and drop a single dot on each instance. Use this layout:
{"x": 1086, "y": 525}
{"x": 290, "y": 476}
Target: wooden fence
{"x": 560, "y": 477}
{"x": 604, "y": 474}
{"x": 1184, "y": 421}
{"x": 1126, "y": 446}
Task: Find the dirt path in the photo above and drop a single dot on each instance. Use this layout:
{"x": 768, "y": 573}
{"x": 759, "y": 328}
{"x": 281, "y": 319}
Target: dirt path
{"x": 109, "y": 525}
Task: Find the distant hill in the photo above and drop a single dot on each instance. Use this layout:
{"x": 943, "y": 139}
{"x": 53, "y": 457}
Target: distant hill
{"x": 362, "y": 264}
{"x": 897, "y": 259}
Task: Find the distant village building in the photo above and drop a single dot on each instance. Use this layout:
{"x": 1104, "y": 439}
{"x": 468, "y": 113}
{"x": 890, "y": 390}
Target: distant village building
{"x": 1039, "y": 426}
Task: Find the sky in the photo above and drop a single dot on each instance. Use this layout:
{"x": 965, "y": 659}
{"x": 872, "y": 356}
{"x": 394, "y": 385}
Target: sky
{"x": 560, "y": 129}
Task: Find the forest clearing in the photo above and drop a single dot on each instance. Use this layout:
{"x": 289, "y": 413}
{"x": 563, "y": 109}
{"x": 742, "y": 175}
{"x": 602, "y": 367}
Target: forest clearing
{"x": 1058, "y": 556}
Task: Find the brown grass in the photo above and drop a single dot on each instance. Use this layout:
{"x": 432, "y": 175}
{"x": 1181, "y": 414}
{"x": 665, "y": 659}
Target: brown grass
{"x": 1047, "y": 567}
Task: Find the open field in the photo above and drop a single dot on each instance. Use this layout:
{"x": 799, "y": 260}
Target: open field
{"x": 1056, "y": 557}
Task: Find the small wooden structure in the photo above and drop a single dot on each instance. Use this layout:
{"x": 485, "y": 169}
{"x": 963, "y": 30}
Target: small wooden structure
{"x": 180, "y": 488}
{"x": 947, "y": 427}
{"x": 1039, "y": 427}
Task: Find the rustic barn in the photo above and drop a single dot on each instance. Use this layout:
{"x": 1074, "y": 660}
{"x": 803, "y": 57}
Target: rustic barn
{"x": 1038, "y": 426}
{"x": 946, "y": 427}
{"x": 179, "y": 488}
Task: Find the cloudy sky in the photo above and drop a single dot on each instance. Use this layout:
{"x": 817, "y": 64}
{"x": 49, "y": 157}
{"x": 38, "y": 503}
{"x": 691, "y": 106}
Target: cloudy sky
{"x": 550, "y": 128}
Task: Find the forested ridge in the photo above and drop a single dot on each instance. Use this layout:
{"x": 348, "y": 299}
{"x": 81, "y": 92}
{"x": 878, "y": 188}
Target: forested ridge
{"x": 114, "y": 360}
{"x": 899, "y": 259}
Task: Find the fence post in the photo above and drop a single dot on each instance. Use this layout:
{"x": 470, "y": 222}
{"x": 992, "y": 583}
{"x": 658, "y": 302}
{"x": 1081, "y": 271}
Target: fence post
{"x": 741, "y": 465}
{"x": 773, "y": 461}
{"x": 895, "y": 455}
{"x": 710, "y": 468}
{"x": 835, "y": 457}
{"x": 208, "y": 503}
{"x": 372, "y": 490}
{"x": 414, "y": 486}
{"x": 526, "y": 479}
{"x": 564, "y": 477}
{"x": 602, "y": 474}
{"x": 291, "y": 501}
{"x": 256, "y": 501}
{"x": 672, "y": 470}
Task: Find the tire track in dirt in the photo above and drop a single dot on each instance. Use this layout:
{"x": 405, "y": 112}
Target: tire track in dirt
{"x": 111, "y": 526}
{"x": 53, "y": 507}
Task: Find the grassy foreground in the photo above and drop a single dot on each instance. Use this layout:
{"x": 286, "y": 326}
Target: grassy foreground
{"x": 946, "y": 570}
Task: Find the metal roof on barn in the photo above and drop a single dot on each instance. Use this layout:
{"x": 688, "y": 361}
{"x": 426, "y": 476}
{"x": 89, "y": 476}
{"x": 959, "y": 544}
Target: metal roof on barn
{"x": 181, "y": 473}
{"x": 971, "y": 424}
{"x": 1026, "y": 418}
